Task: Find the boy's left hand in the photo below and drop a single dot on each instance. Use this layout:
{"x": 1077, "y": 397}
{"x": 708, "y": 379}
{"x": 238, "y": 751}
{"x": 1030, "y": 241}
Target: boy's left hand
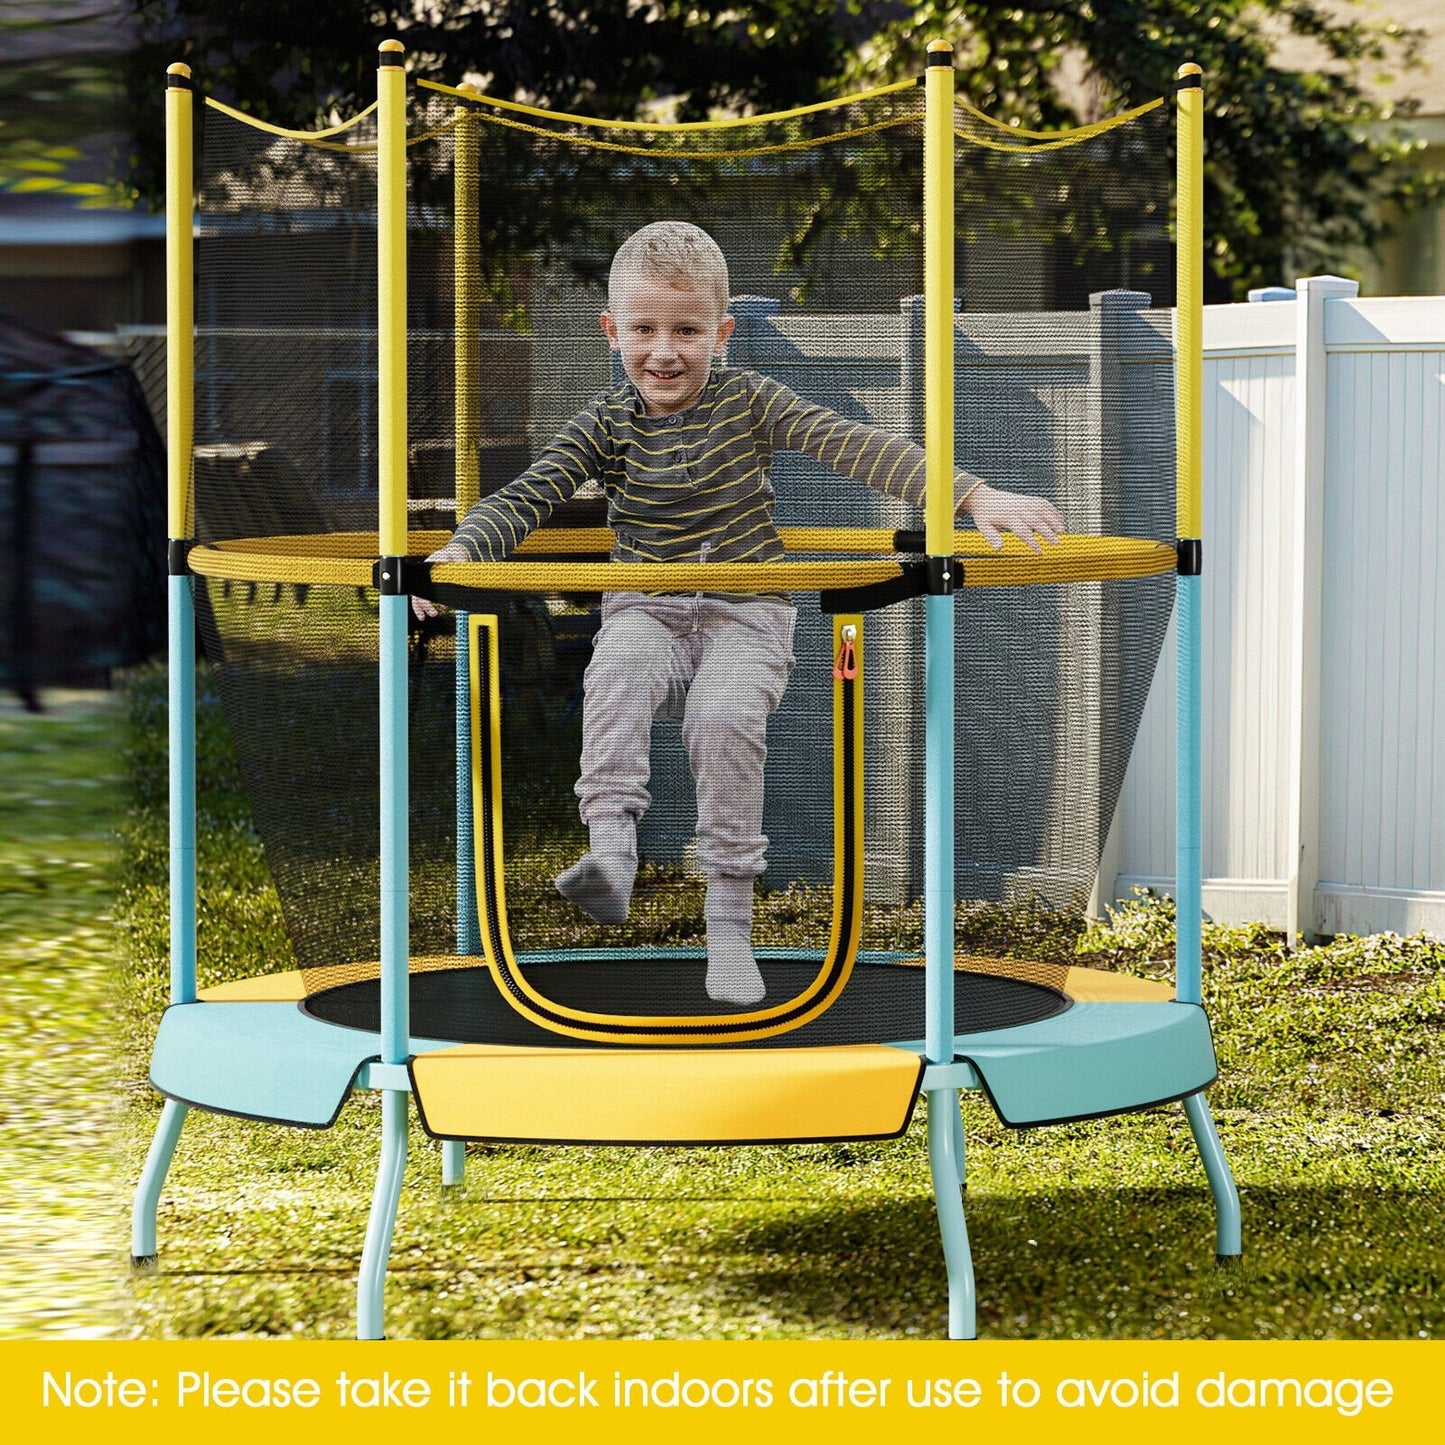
{"x": 452, "y": 552}
{"x": 1030, "y": 519}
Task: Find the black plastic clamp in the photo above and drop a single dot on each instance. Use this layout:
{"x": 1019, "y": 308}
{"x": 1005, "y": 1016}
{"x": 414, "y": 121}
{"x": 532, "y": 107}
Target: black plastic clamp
{"x": 392, "y": 576}
{"x": 1191, "y": 556}
{"x": 178, "y": 556}
{"x": 945, "y": 575}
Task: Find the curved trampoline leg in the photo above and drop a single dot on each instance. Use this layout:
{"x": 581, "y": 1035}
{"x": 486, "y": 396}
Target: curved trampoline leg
{"x": 148, "y": 1192}
{"x": 945, "y": 1125}
{"x": 454, "y": 1162}
{"x": 1228, "y": 1229}
{"x": 958, "y": 1147}
{"x": 371, "y": 1283}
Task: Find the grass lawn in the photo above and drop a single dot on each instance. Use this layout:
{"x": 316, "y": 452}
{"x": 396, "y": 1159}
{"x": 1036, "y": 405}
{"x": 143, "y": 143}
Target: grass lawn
{"x": 1331, "y": 1106}
{"x": 61, "y": 785}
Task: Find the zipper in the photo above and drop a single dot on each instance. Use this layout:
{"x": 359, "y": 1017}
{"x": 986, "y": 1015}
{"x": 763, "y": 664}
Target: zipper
{"x": 845, "y": 666}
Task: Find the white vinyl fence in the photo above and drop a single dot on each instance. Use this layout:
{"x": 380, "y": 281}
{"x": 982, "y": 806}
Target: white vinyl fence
{"x": 1324, "y": 686}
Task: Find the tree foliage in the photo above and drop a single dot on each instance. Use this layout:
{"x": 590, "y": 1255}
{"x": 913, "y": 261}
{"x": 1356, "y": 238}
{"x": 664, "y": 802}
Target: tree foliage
{"x": 291, "y": 64}
{"x": 58, "y": 86}
{"x": 1303, "y": 166}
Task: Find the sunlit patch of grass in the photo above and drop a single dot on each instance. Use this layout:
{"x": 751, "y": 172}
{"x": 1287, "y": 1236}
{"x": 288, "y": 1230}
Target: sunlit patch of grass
{"x": 61, "y": 780}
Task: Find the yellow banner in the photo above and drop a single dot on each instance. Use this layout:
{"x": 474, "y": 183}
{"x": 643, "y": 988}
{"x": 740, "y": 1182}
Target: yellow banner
{"x": 704, "y": 1391}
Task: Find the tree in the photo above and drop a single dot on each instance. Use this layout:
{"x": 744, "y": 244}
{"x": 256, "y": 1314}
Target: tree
{"x": 291, "y": 64}
{"x": 1302, "y": 165}
{"x": 59, "y": 89}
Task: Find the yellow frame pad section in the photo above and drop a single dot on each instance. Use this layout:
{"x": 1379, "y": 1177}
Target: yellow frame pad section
{"x": 288, "y": 987}
{"x": 701, "y": 1096}
{"x": 1096, "y": 985}
{"x": 347, "y": 560}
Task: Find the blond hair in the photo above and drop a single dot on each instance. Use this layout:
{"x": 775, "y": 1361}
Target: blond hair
{"x": 676, "y": 252}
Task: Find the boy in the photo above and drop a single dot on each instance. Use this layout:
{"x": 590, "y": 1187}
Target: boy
{"x": 682, "y": 450}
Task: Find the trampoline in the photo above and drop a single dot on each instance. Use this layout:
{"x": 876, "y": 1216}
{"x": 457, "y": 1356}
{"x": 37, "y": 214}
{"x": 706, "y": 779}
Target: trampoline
{"x": 549, "y": 1036}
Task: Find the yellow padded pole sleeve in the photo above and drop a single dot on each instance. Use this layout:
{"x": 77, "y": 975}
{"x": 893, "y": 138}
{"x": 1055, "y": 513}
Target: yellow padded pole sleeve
{"x": 391, "y": 296}
{"x": 466, "y": 287}
{"x": 938, "y": 297}
{"x": 1189, "y": 337}
{"x": 180, "y": 300}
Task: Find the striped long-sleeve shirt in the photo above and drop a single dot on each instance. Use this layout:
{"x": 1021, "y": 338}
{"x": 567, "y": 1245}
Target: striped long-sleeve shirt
{"x": 692, "y": 486}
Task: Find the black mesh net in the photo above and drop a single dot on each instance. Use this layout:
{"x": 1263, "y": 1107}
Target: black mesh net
{"x": 883, "y": 1001}
{"x": 1064, "y": 389}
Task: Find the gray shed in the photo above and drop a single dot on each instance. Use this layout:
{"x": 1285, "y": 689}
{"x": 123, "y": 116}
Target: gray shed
{"x": 82, "y": 515}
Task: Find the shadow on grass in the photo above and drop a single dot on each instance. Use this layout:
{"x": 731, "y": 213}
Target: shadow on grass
{"x": 1130, "y": 1263}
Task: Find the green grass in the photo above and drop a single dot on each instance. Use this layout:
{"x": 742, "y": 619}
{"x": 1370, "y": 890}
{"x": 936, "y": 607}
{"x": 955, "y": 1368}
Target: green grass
{"x": 60, "y": 789}
{"x": 1331, "y": 1106}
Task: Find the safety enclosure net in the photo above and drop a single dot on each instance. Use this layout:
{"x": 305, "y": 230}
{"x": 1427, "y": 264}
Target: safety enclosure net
{"x": 1063, "y": 389}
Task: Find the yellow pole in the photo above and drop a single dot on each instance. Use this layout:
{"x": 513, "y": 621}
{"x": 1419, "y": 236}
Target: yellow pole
{"x": 391, "y": 298}
{"x": 1189, "y": 624}
{"x": 180, "y": 300}
{"x": 466, "y": 289}
{"x": 180, "y": 525}
{"x": 1189, "y": 340}
{"x": 938, "y": 298}
{"x": 945, "y": 1133}
{"x": 393, "y": 610}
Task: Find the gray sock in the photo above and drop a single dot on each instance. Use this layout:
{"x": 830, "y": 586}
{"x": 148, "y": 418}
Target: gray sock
{"x": 600, "y": 881}
{"x": 732, "y": 971}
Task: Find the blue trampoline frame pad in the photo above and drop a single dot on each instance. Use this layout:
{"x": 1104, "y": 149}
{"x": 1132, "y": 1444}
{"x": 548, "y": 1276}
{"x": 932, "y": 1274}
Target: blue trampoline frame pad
{"x": 248, "y": 1049}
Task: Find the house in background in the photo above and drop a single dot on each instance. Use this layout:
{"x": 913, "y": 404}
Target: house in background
{"x": 66, "y": 265}
{"x": 65, "y": 268}
{"x": 1411, "y": 260}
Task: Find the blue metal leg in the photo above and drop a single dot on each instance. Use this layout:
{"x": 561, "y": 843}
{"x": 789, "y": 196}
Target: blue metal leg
{"x": 454, "y": 1157}
{"x": 148, "y": 1192}
{"x": 946, "y": 1166}
{"x": 1228, "y": 1230}
{"x": 958, "y": 1146}
{"x": 371, "y": 1282}
{"x": 454, "y": 1161}
{"x": 1189, "y": 806}
{"x": 182, "y": 693}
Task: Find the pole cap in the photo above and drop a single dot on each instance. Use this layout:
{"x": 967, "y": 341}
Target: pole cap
{"x": 391, "y": 52}
{"x": 1187, "y": 70}
{"x": 940, "y": 52}
{"x": 179, "y": 68}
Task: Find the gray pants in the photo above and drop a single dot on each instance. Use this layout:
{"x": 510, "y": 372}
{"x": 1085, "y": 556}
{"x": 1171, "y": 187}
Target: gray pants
{"x": 718, "y": 664}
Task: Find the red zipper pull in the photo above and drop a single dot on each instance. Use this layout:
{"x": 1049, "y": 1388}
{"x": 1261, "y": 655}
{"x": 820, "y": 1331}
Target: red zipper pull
{"x": 845, "y": 669}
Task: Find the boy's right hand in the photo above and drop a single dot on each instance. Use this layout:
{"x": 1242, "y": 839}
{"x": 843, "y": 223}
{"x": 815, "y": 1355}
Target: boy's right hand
{"x": 421, "y": 607}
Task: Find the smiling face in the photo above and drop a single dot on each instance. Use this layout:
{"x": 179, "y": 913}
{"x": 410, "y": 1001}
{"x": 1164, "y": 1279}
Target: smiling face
{"x": 667, "y": 336}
